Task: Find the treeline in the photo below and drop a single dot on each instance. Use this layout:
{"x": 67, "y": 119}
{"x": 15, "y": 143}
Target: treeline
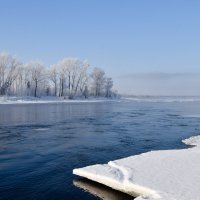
{"x": 69, "y": 77}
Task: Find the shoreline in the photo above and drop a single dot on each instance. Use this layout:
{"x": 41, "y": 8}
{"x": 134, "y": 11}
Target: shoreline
{"x": 5, "y": 100}
{"x": 52, "y": 99}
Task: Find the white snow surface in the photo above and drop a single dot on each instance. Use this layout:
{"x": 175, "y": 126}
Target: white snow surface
{"x": 163, "y": 175}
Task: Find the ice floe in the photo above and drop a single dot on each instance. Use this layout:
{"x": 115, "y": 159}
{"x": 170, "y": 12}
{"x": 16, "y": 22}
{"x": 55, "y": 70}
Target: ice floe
{"x": 164, "y": 175}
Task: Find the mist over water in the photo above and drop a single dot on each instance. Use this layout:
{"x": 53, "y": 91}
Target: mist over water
{"x": 40, "y": 144}
{"x": 164, "y": 84}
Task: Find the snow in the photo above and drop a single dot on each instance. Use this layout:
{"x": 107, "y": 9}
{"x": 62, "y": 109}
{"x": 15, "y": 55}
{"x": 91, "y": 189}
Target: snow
{"x": 41, "y": 100}
{"x": 193, "y": 141}
{"x": 164, "y": 175}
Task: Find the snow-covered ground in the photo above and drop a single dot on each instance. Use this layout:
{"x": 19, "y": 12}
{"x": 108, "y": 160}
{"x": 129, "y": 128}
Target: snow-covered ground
{"x": 33, "y": 100}
{"x": 164, "y": 175}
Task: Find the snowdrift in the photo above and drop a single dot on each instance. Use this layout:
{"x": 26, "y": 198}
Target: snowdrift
{"x": 164, "y": 175}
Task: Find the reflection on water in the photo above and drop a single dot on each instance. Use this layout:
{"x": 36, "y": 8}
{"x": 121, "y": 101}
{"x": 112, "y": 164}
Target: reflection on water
{"x": 101, "y": 191}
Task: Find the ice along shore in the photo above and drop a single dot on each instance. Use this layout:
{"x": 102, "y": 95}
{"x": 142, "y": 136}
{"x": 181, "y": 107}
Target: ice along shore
{"x": 164, "y": 175}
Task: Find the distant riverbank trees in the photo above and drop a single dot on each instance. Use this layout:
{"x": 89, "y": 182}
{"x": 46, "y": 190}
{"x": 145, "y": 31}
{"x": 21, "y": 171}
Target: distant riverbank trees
{"x": 70, "y": 77}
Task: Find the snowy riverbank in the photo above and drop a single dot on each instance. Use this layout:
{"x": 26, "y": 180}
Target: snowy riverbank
{"x": 40, "y": 100}
{"x": 164, "y": 175}
{"x": 51, "y": 99}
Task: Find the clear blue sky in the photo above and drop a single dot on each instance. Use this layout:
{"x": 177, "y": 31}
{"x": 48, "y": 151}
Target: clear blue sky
{"x": 124, "y": 37}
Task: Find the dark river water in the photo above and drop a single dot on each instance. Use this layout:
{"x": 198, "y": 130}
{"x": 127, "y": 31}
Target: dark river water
{"x": 40, "y": 144}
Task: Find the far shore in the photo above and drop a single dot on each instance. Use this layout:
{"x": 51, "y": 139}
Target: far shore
{"x": 91, "y": 99}
{"x": 50, "y": 99}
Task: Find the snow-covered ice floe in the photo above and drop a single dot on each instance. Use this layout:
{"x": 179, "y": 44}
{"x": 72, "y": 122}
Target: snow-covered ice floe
{"x": 164, "y": 175}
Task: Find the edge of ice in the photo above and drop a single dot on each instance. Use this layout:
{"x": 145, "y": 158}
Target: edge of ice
{"x": 116, "y": 174}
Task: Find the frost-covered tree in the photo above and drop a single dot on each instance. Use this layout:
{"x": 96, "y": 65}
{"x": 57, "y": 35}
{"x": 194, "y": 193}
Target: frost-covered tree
{"x": 108, "y": 87}
{"x": 73, "y": 75}
{"x": 98, "y": 81}
{"x": 83, "y": 85}
{"x": 62, "y": 77}
{"x": 54, "y": 77}
{"x": 85, "y": 92}
{"x": 19, "y": 82}
{"x": 37, "y": 74}
{"x": 69, "y": 77}
{"x": 8, "y": 72}
{"x": 80, "y": 78}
